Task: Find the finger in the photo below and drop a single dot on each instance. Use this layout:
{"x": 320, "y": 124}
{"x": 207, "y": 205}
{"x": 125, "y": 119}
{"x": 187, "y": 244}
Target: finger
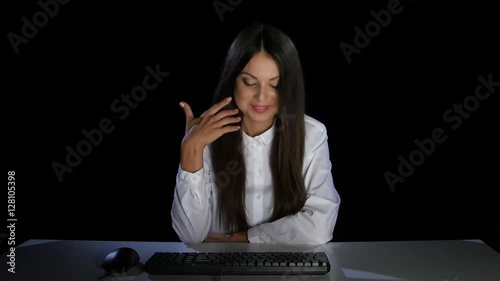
{"x": 229, "y": 129}
{"x": 221, "y": 115}
{"x": 187, "y": 111}
{"x": 226, "y": 121}
{"x": 224, "y": 113}
{"x": 218, "y": 106}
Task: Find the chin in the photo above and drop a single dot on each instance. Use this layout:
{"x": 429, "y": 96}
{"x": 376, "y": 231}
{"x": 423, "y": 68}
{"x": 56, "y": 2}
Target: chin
{"x": 260, "y": 118}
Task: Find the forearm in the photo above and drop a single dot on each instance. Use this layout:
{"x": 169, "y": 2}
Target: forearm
{"x": 314, "y": 224}
{"x": 191, "y": 156}
{"x": 191, "y": 213}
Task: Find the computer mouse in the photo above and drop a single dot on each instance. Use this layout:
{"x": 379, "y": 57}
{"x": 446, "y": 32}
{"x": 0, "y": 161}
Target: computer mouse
{"x": 121, "y": 260}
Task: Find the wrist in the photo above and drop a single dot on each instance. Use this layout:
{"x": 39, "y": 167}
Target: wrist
{"x": 191, "y": 156}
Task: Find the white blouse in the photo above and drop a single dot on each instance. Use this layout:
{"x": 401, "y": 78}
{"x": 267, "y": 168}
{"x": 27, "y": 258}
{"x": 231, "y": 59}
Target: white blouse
{"x": 194, "y": 209}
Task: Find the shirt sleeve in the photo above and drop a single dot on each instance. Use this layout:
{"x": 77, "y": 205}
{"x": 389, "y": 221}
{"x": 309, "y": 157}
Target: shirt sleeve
{"x": 191, "y": 211}
{"x": 314, "y": 224}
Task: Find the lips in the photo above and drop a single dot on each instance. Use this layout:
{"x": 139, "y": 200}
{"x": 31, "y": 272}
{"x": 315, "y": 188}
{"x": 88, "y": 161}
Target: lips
{"x": 260, "y": 109}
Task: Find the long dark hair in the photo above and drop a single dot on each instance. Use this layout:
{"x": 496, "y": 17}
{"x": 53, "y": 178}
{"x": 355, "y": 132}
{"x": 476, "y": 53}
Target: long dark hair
{"x": 287, "y": 151}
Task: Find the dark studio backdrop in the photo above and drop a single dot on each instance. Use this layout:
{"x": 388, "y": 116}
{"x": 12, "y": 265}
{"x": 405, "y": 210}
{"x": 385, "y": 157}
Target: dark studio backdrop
{"x": 408, "y": 91}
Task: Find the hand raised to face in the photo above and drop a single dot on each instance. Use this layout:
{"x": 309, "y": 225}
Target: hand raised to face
{"x": 211, "y": 125}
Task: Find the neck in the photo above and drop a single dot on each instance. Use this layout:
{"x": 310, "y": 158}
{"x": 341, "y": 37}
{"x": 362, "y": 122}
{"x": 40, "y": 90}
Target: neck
{"x": 256, "y": 129}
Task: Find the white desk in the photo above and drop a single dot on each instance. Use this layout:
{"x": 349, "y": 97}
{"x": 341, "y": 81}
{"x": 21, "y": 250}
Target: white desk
{"x": 460, "y": 260}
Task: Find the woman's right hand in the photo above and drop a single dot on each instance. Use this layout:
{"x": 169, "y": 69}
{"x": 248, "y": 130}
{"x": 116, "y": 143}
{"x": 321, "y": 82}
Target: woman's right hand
{"x": 212, "y": 124}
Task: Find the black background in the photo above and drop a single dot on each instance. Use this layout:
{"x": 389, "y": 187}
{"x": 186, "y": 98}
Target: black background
{"x": 394, "y": 91}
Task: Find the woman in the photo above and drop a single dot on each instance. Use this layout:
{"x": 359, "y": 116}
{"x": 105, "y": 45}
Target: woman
{"x": 254, "y": 167}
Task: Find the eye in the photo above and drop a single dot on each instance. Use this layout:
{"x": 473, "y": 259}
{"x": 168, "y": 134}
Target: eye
{"x": 274, "y": 86}
{"x": 246, "y": 82}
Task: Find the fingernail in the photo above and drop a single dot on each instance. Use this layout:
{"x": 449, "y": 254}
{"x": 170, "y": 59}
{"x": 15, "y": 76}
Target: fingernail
{"x": 228, "y": 98}
{"x": 181, "y": 104}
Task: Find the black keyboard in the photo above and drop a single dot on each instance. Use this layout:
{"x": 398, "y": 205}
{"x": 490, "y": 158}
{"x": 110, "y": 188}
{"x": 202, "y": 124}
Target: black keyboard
{"x": 238, "y": 263}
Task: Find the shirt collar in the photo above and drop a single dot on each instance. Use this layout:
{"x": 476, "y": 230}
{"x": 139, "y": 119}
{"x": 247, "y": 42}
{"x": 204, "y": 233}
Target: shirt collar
{"x": 265, "y": 138}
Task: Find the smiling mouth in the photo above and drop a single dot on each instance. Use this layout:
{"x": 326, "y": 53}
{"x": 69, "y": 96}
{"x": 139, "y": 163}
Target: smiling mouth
{"x": 260, "y": 109}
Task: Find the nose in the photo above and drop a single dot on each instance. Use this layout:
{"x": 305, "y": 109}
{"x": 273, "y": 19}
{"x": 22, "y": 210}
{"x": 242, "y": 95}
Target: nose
{"x": 262, "y": 93}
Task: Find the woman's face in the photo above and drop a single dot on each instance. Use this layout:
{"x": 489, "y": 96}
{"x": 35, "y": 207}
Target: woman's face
{"x": 256, "y": 94}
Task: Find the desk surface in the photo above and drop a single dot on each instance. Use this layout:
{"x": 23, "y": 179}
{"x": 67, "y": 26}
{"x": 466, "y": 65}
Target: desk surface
{"x": 448, "y": 260}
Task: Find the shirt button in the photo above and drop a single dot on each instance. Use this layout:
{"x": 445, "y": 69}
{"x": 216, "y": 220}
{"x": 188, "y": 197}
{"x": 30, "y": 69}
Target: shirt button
{"x": 258, "y": 196}
{"x": 259, "y": 170}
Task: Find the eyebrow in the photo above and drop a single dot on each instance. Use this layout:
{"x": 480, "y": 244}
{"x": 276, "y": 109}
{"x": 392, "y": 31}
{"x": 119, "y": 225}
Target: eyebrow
{"x": 243, "y": 72}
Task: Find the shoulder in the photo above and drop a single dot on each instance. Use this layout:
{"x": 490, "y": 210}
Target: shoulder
{"x": 313, "y": 127}
{"x": 315, "y": 132}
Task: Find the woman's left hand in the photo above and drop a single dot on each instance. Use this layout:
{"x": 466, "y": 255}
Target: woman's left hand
{"x": 237, "y": 237}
